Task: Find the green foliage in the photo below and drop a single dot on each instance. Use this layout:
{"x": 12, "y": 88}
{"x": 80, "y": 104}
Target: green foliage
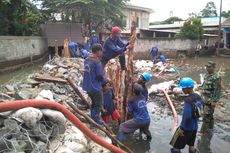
{"x": 192, "y": 29}
{"x": 19, "y": 17}
{"x": 194, "y": 15}
{"x": 95, "y": 13}
{"x": 171, "y": 20}
{"x": 155, "y": 23}
{"x": 209, "y": 10}
{"x": 225, "y": 14}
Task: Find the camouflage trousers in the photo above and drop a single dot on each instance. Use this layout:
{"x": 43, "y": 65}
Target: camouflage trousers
{"x": 208, "y": 111}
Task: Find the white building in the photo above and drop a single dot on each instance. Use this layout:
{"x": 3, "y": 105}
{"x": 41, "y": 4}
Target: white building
{"x": 142, "y": 17}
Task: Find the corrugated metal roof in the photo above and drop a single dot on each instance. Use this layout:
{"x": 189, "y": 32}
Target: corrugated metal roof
{"x": 226, "y": 23}
{"x": 207, "y": 22}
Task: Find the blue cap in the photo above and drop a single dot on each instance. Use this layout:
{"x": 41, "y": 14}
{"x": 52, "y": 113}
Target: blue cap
{"x": 186, "y": 83}
{"x": 147, "y": 76}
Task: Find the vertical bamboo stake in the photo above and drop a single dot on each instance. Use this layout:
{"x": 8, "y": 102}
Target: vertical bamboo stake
{"x": 66, "y": 49}
{"x": 129, "y": 71}
{"x": 122, "y": 80}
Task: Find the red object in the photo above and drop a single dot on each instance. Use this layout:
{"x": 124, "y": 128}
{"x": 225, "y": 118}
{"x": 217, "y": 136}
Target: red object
{"x": 175, "y": 116}
{"x": 106, "y": 119}
{"x": 115, "y": 116}
{"x": 15, "y": 105}
{"x": 116, "y": 30}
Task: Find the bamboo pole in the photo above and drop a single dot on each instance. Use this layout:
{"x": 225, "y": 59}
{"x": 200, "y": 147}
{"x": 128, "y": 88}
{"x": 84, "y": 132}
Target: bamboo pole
{"x": 75, "y": 88}
{"x": 49, "y": 79}
{"x": 66, "y": 49}
{"x": 129, "y": 71}
{"x": 91, "y": 121}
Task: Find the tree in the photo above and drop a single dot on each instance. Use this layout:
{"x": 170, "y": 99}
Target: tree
{"x": 194, "y": 15}
{"x": 19, "y": 17}
{"x": 192, "y": 29}
{"x": 209, "y": 10}
{"x": 171, "y": 20}
{"x": 225, "y": 14}
{"x": 94, "y": 13}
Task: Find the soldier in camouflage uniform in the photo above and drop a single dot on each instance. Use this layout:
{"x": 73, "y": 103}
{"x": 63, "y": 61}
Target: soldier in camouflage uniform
{"x": 211, "y": 92}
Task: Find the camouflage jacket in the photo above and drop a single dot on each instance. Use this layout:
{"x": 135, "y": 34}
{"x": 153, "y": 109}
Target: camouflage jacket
{"x": 211, "y": 88}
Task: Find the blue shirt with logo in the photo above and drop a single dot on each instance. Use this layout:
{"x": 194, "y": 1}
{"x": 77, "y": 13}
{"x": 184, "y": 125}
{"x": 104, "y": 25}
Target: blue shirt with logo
{"x": 92, "y": 75}
{"x": 113, "y": 48}
{"x": 138, "y": 107}
{"x": 189, "y": 123}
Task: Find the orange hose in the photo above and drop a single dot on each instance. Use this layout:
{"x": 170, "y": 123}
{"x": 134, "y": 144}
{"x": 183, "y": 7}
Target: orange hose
{"x": 166, "y": 65}
{"x": 175, "y": 116}
{"x": 15, "y": 105}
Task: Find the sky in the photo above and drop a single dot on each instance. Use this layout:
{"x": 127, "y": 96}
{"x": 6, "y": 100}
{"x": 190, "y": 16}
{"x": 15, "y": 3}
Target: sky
{"x": 180, "y": 8}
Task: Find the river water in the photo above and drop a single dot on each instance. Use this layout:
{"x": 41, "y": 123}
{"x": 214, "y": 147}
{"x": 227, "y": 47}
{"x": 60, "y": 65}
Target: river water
{"x": 218, "y": 141}
{"x": 19, "y": 74}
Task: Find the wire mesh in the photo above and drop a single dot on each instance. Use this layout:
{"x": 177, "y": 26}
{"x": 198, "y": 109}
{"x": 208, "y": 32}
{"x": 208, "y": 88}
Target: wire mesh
{"x": 22, "y": 139}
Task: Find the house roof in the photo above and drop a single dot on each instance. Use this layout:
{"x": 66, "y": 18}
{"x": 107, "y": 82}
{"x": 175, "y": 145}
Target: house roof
{"x": 226, "y": 23}
{"x": 207, "y": 22}
{"x": 129, "y": 6}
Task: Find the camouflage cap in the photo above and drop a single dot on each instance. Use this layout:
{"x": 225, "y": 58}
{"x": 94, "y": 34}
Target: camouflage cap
{"x": 211, "y": 64}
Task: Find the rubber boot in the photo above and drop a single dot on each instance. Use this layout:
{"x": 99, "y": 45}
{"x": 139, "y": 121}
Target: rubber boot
{"x": 175, "y": 151}
{"x": 121, "y": 136}
{"x": 148, "y": 135}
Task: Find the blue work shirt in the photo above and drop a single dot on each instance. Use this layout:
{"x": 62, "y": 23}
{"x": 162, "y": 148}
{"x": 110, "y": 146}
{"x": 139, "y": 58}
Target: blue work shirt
{"x": 162, "y": 58}
{"x": 189, "y": 123}
{"x": 94, "y": 40}
{"x": 93, "y": 74}
{"x": 84, "y": 53}
{"x": 73, "y": 45}
{"x": 154, "y": 52}
{"x": 73, "y": 49}
{"x": 145, "y": 92}
{"x": 87, "y": 46}
{"x": 113, "y": 48}
{"x": 108, "y": 102}
{"x": 138, "y": 107}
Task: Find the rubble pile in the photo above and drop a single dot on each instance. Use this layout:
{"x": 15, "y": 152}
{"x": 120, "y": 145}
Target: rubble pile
{"x": 45, "y": 130}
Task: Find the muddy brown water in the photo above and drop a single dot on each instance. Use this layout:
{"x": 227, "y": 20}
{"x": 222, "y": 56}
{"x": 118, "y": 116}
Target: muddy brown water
{"x": 18, "y": 74}
{"x": 218, "y": 141}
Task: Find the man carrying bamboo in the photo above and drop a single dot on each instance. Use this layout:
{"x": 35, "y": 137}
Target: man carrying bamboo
{"x": 113, "y": 47}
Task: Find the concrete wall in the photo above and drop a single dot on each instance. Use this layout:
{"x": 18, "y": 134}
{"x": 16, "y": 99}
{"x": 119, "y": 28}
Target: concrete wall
{"x": 168, "y": 46}
{"x": 16, "y": 50}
